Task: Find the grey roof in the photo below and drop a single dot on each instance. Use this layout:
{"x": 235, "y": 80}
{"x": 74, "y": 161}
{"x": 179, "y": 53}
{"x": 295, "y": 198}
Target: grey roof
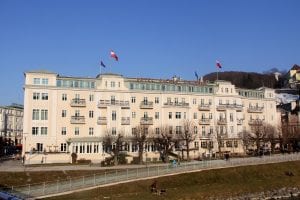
{"x": 41, "y": 71}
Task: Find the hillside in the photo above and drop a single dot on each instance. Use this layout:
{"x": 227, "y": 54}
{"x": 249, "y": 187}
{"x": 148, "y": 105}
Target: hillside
{"x": 249, "y": 80}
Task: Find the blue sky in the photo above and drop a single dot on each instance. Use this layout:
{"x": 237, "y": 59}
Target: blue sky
{"x": 153, "y": 38}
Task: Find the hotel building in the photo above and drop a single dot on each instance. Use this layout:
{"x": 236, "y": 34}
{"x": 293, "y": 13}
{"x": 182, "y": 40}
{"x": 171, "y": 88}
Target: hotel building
{"x": 65, "y": 115}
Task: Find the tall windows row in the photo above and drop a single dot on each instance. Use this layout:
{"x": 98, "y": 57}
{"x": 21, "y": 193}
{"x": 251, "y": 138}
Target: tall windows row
{"x": 76, "y": 131}
{"x": 38, "y": 96}
{"x": 38, "y": 114}
{"x": 39, "y": 130}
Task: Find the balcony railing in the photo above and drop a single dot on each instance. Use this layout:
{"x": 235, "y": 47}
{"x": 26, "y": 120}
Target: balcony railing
{"x": 222, "y": 121}
{"x": 77, "y": 120}
{"x": 105, "y": 103}
{"x": 147, "y": 121}
{"x": 125, "y": 120}
{"x": 222, "y": 107}
{"x": 78, "y": 103}
{"x": 101, "y": 121}
{"x": 146, "y": 105}
{"x": 255, "y": 109}
{"x": 204, "y": 121}
{"x": 176, "y": 104}
{"x": 204, "y": 107}
{"x": 256, "y": 122}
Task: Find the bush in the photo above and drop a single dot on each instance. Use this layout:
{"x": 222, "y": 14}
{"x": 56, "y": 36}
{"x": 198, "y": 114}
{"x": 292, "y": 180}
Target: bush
{"x": 122, "y": 159}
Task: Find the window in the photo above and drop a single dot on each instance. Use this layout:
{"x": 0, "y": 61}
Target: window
{"x": 231, "y": 129}
{"x": 36, "y": 81}
{"x": 35, "y": 130}
{"x": 178, "y": 115}
{"x": 231, "y": 117}
{"x": 91, "y": 131}
{"x": 91, "y": 97}
{"x": 178, "y": 130}
{"x": 156, "y": 131}
{"x": 209, "y": 101}
{"x": 91, "y": 114}
{"x": 211, "y": 130}
{"x": 39, "y": 147}
{"x": 156, "y": 100}
{"x": 195, "y": 115}
{"x": 96, "y": 148}
{"x": 133, "y": 131}
{"x": 221, "y": 143}
{"x": 156, "y": 115}
{"x": 64, "y": 97}
{"x": 133, "y": 115}
{"x": 203, "y": 130}
{"x": 63, "y": 147}
{"x": 184, "y": 115}
{"x": 63, "y": 131}
{"x": 113, "y": 131}
{"x": 204, "y": 145}
{"x": 44, "y": 114}
{"x": 76, "y": 130}
{"x": 44, "y": 130}
{"x": 196, "y": 144}
{"x": 202, "y": 101}
{"x": 44, "y": 81}
{"x": 77, "y": 113}
{"x": 194, "y": 101}
{"x": 235, "y": 143}
{"x": 63, "y": 113}
{"x": 133, "y": 99}
{"x": 35, "y": 114}
{"x": 176, "y": 101}
{"x": 228, "y": 143}
{"x": 170, "y": 130}
{"x": 195, "y": 129}
{"x": 170, "y": 115}
{"x": 44, "y": 96}
{"x": 113, "y": 115}
{"x": 36, "y": 96}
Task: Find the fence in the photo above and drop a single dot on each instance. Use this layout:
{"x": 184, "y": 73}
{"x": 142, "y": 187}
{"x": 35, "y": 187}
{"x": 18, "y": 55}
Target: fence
{"x": 121, "y": 175}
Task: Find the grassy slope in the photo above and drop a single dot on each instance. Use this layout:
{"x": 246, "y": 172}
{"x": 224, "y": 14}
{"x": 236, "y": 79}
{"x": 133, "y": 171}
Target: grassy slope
{"x": 201, "y": 185}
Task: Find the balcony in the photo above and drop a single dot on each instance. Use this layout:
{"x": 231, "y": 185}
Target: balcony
{"x": 101, "y": 121}
{"x": 255, "y": 109}
{"x": 78, "y": 103}
{"x": 106, "y": 103}
{"x": 176, "y": 104}
{"x": 147, "y": 121}
{"x": 223, "y": 107}
{"x": 222, "y": 121}
{"x": 256, "y": 122}
{"x": 125, "y": 121}
{"x": 204, "y": 121}
{"x": 146, "y": 105}
{"x": 77, "y": 120}
{"x": 204, "y": 107}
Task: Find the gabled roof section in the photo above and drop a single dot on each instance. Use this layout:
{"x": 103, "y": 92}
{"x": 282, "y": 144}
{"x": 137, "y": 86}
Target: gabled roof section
{"x": 296, "y": 67}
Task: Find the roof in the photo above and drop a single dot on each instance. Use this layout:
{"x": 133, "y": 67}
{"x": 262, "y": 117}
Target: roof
{"x": 296, "y": 67}
{"x": 41, "y": 71}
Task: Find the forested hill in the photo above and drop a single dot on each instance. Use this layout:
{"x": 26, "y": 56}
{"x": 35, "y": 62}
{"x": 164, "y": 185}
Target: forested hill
{"x": 248, "y": 80}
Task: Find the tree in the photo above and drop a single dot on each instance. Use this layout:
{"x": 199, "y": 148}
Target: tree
{"x": 164, "y": 141}
{"x": 246, "y": 139}
{"x": 113, "y": 145}
{"x": 187, "y": 135}
{"x": 272, "y": 136}
{"x": 140, "y": 136}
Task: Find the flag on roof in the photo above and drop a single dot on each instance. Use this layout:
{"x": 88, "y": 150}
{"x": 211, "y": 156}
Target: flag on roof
{"x": 196, "y": 75}
{"x": 114, "y": 55}
{"x": 218, "y": 64}
{"x": 102, "y": 64}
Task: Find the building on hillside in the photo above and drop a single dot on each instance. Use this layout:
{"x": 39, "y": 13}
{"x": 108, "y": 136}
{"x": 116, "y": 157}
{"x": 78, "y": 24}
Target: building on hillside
{"x": 293, "y": 77}
{"x": 65, "y": 115}
{"x": 11, "y": 126}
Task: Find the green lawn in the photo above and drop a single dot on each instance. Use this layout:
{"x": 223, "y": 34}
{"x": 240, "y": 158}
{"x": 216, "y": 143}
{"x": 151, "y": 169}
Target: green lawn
{"x": 202, "y": 185}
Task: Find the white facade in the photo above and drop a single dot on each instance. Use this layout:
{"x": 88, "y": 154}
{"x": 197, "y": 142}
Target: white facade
{"x": 11, "y": 123}
{"x": 71, "y": 114}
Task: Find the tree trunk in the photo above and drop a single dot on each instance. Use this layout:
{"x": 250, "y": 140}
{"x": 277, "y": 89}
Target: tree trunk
{"x": 187, "y": 151}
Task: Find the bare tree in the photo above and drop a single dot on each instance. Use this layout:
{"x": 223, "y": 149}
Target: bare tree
{"x": 113, "y": 145}
{"x": 272, "y": 136}
{"x": 187, "y": 135}
{"x": 246, "y": 139}
{"x": 140, "y": 137}
{"x": 164, "y": 141}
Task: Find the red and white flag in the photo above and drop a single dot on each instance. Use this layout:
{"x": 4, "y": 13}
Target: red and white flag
{"x": 218, "y": 64}
{"x": 114, "y": 55}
